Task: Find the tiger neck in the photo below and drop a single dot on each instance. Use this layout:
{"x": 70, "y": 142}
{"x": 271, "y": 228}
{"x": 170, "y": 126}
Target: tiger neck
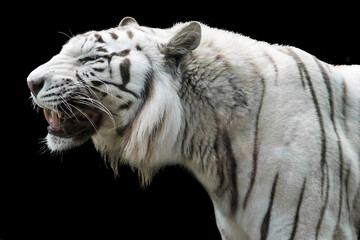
{"x": 217, "y": 104}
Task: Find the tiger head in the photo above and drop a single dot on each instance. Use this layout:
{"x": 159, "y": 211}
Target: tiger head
{"x": 117, "y": 86}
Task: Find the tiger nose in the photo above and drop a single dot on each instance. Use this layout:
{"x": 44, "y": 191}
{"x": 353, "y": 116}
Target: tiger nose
{"x": 35, "y": 85}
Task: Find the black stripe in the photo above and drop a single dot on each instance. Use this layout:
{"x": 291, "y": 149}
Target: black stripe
{"x": 276, "y": 69}
{"x": 96, "y": 83}
{"x": 323, "y": 162}
{"x": 319, "y": 115}
{"x": 255, "y": 149}
{"x": 324, "y": 206}
{"x": 300, "y": 65}
{"x": 347, "y": 190}
{"x": 344, "y": 103}
{"x": 266, "y": 221}
{"x": 124, "y": 53}
{"x": 114, "y": 35}
{"x": 326, "y": 78}
{"x": 125, "y": 105}
{"x": 124, "y": 89}
{"x": 296, "y": 218}
{"x": 341, "y": 176}
{"x": 226, "y": 168}
{"x": 99, "y": 38}
{"x": 92, "y": 59}
{"x": 86, "y": 39}
{"x": 185, "y": 136}
{"x": 98, "y": 69}
{"x": 80, "y": 78}
{"x": 156, "y": 128}
{"x": 121, "y": 87}
{"x": 101, "y": 49}
{"x": 125, "y": 71}
{"x": 121, "y": 130}
{"x": 146, "y": 93}
{"x": 232, "y": 171}
{"x": 219, "y": 163}
{"x": 148, "y": 84}
{"x": 130, "y": 34}
{"x": 339, "y": 233}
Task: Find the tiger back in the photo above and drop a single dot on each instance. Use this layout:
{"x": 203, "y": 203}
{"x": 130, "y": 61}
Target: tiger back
{"x": 271, "y": 132}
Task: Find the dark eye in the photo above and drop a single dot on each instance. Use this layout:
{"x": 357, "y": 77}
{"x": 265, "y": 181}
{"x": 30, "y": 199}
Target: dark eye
{"x": 93, "y": 57}
{"x": 89, "y": 58}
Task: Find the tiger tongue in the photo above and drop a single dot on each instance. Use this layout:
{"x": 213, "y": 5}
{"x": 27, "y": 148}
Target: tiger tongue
{"x": 52, "y": 118}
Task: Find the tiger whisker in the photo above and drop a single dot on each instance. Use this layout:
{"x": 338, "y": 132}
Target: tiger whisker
{"x": 88, "y": 88}
{"x": 92, "y": 103}
{"x": 69, "y": 107}
{"x": 43, "y": 149}
{"x": 66, "y": 104}
{"x": 100, "y": 89}
{"x": 67, "y": 35}
{"x": 64, "y": 111}
{"x": 85, "y": 115}
{"x": 97, "y": 105}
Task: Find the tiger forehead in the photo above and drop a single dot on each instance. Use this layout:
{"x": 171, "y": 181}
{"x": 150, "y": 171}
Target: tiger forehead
{"x": 110, "y": 35}
{"x": 106, "y": 40}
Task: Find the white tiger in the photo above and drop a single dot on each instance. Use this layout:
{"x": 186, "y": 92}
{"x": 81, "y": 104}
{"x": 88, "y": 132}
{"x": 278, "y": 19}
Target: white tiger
{"x": 271, "y": 132}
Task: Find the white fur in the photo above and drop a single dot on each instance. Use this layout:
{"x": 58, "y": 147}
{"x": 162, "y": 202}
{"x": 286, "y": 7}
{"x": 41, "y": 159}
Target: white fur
{"x": 232, "y": 98}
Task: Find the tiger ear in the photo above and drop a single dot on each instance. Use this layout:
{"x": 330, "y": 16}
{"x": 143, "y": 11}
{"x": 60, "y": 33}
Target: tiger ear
{"x": 184, "y": 41}
{"x": 128, "y": 21}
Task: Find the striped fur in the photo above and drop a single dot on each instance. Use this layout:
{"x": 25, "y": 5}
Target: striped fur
{"x": 270, "y": 131}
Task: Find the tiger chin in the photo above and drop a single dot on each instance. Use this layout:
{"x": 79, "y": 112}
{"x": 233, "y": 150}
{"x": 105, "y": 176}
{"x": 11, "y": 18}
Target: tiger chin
{"x": 271, "y": 132}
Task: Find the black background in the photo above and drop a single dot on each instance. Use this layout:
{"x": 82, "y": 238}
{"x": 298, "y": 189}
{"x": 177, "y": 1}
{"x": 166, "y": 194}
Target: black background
{"x": 74, "y": 195}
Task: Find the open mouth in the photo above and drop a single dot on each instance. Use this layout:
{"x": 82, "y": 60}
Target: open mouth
{"x": 77, "y": 123}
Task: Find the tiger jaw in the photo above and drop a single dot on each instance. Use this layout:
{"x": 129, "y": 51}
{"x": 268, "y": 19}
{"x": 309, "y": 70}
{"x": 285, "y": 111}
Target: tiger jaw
{"x": 81, "y": 123}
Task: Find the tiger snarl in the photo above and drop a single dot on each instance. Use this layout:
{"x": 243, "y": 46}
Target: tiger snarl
{"x": 270, "y": 131}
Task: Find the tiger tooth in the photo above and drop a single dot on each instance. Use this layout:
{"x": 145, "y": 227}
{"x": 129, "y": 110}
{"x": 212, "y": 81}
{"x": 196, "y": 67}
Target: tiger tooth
{"x": 53, "y": 116}
{"x": 55, "y": 119}
{"x": 47, "y": 114}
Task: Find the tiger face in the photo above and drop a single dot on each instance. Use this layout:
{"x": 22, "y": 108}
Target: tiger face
{"x": 101, "y": 80}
